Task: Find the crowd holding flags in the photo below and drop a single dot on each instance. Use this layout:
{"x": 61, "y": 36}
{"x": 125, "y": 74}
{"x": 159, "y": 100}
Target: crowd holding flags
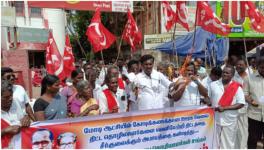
{"x": 100, "y": 38}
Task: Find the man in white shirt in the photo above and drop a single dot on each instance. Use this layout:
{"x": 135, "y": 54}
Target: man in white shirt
{"x": 112, "y": 99}
{"x": 215, "y": 74}
{"x": 19, "y": 93}
{"x": 133, "y": 69}
{"x": 242, "y": 132}
{"x": 149, "y": 82}
{"x": 201, "y": 71}
{"x": 12, "y": 118}
{"x": 226, "y": 107}
{"x": 254, "y": 93}
{"x": 189, "y": 88}
{"x": 91, "y": 77}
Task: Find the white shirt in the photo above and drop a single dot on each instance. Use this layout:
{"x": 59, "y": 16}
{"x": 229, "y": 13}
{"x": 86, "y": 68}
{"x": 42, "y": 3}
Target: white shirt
{"x": 12, "y": 117}
{"x": 228, "y": 117}
{"x": 122, "y": 104}
{"x": 190, "y": 96}
{"x": 240, "y": 80}
{"x": 150, "y": 95}
{"x": 96, "y": 91}
{"x": 20, "y": 95}
{"x": 101, "y": 78}
{"x": 132, "y": 97}
{"x": 206, "y": 82}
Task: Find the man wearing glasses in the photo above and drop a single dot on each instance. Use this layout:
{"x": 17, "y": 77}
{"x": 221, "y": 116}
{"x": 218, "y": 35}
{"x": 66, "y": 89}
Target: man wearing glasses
{"x": 19, "y": 93}
{"x": 67, "y": 140}
{"x": 42, "y": 139}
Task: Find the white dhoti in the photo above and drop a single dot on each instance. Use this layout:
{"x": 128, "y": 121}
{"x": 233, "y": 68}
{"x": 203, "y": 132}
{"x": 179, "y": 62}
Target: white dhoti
{"x": 242, "y": 132}
{"x": 226, "y": 136}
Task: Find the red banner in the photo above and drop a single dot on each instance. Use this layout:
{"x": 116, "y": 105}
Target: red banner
{"x": 109, "y": 6}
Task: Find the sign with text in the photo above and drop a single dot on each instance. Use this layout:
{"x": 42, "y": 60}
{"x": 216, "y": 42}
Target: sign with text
{"x": 108, "y": 6}
{"x": 231, "y": 13}
{"x": 188, "y": 128}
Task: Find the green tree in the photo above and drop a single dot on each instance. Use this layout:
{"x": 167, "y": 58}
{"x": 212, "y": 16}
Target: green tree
{"x": 78, "y": 21}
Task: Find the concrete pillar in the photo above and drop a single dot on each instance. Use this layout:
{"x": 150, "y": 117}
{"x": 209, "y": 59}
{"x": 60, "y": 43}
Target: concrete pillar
{"x": 56, "y": 21}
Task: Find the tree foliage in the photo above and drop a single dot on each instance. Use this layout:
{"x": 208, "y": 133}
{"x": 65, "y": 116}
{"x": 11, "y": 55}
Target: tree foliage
{"x": 79, "y": 21}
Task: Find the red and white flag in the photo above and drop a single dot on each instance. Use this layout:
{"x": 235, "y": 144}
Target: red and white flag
{"x": 68, "y": 58}
{"x": 131, "y": 34}
{"x": 181, "y": 14}
{"x": 208, "y": 20}
{"x": 98, "y": 35}
{"x": 256, "y": 18}
{"x": 169, "y": 15}
{"x": 54, "y": 62}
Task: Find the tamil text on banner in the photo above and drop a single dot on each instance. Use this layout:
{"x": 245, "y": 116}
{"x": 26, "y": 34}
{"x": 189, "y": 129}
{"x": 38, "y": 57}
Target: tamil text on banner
{"x": 191, "y": 127}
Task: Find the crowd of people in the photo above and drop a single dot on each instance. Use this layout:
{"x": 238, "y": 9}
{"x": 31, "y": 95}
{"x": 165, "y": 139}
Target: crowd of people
{"x": 235, "y": 90}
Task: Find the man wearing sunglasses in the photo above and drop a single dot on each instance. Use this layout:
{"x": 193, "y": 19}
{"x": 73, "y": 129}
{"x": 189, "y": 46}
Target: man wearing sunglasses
{"x": 19, "y": 92}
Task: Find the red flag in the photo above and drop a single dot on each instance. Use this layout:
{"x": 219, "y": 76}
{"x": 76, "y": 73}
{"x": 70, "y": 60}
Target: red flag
{"x": 208, "y": 20}
{"x": 98, "y": 35}
{"x": 256, "y": 18}
{"x": 169, "y": 15}
{"x": 68, "y": 58}
{"x": 131, "y": 34}
{"x": 54, "y": 63}
{"x": 181, "y": 14}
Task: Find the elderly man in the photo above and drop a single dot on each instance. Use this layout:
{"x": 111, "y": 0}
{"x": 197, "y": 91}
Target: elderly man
{"x": 242, "y": 133}
{"x": 67, "y": 140}
{"x": 149, "y": 82}
{"x": 254, "y": 93}
{"x": 42, "y": 139}
{"x": 227, "y": 96}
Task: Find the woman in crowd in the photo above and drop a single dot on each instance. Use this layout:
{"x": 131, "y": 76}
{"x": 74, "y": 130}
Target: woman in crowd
{"x": 51, "y": 105}
{"x": 84, "y": 104}
{"x": 70, "y": 91}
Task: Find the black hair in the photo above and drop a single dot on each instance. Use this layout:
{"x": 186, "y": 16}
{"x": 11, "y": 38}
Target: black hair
{"x": 260, "y": 60}
{"x": 6, "y": 86}
{"x": 232, "y": 68}
{"x": 242, "y": 59}
{"x": 145, "y": 58}
{"x": 217, "y": 71}
{"x": 48, "y": 80}
{"x": 75, "y": 73}
{"x": 130, "y": 63}
{"x": 5, "y": 70}
{"x": 192, "y": 64}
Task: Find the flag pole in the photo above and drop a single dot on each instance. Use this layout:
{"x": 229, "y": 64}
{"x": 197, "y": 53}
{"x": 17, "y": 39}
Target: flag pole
{"x": 245, "y": 50}
{"x": 195, "y": 24}
{"x": 102, "y": 56}
{"x": 188, "y": 57}
{"x": 174, "y": 47}
{"x": 119, "y": 48}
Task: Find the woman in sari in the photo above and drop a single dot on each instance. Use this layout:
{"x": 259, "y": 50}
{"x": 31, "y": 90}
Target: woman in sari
{"x": 84, "y": 104}
{"x": 70, "y": 92}
{"x": 51, "y": 105}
